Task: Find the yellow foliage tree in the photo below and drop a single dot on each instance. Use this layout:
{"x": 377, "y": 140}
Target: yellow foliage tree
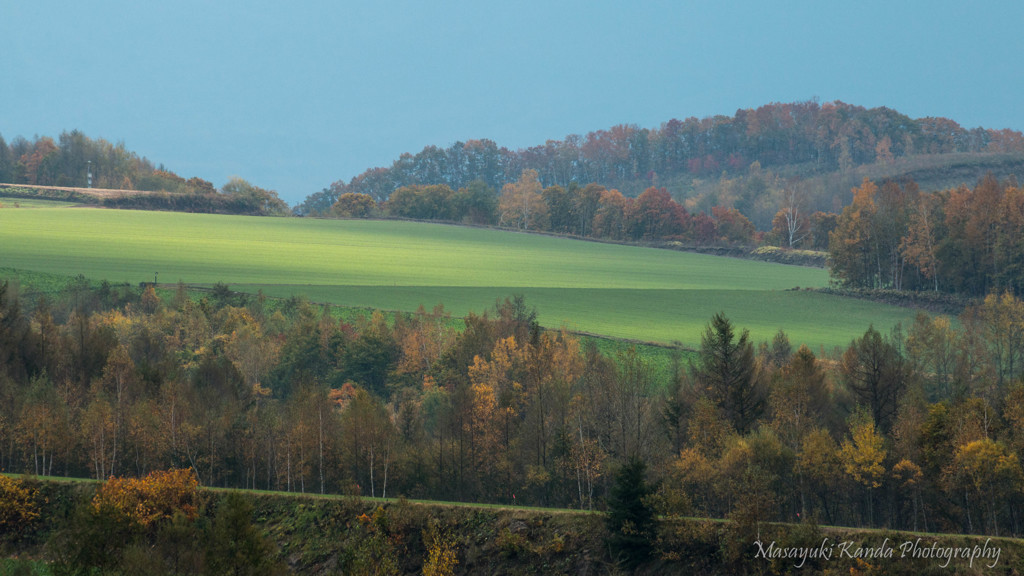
{"x": 18, "y": 508}
{"x": 143, "y": 501}
{"x": 1003, "y": 317}
{"x": 862, "y": 455}
{"x": 497, "y": 398}
{"x": 991, "y": 470}
{"x": 521, "y": 204}
{"x": 442, "y": 552}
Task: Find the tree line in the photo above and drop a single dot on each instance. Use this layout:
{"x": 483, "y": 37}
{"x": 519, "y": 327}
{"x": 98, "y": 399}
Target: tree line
{"x": 820, "y": 137}
{"x": 968, "y": 240}
{"x": 587, "y": 211}
{"x": 68, "y": 162}
{"x": 918, "y": 428}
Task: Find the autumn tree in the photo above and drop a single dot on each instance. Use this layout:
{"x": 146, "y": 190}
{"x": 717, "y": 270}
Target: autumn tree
{"x": 497, "y": 406}
{"x": 931, "y": 352}
{"x": 851, "y": 248}
{"x": 990, "y": 473}
{"x": 820, "y": 469}
{"x": 919, "y": 245}
{"x": 18, "y": 507}
{"x": 731, "y": 226}
{"x": 250, "y": 350}
{"x": 521, "y": 204}
{"x": 354, "y": 205}
{"x": 821, "y": 225}
{"x": 560, "y": 203}
{"x": 895, "y": 204}
{"x": 587, "y": 202}
{"x": 156, "y": 497}
{"x": 798, "y": 397}
{"x": 422, "y": 202}
{"x": 792, "y": 222}
{"x": 477, "y": 203}
{"x": 1003, "y": 323}
{"x": 654, "y": 215}
{"x": 1010, "y": 241}
{"x": 257, "y": 200}
{"x": 423, "y": 340}
{"x": 369, "y": 441}
{"x": 610, "y": 217}
{"x": 968, "y": 251}
{"x": 863, "y": 455}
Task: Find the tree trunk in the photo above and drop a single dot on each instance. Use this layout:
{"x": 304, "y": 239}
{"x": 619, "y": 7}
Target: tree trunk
{"x": 320, "y": 413}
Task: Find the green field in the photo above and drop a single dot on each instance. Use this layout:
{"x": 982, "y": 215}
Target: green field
{"x": 15, "y": 203}
{"x": 620, "y": 291}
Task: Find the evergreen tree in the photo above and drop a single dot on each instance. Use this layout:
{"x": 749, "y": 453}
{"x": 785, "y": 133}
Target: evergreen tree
{"x": 630, "y": 520}
{"x": 727, "y": 373}
{"x": 235, "y": 546}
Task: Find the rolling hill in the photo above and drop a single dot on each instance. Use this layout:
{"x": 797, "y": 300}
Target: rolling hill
{"x": 612, "y": 290}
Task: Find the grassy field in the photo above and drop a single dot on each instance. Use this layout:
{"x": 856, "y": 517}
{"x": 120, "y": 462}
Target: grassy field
{"x": 15, "y": 203}
{"x": 620, "y": 291}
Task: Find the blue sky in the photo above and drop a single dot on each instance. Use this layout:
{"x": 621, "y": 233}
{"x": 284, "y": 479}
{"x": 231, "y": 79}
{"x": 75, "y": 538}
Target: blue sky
{"x": 293, "y": 96}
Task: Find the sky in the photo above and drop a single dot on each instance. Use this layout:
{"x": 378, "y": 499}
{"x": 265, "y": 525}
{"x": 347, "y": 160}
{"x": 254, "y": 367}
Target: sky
{"x": 293, "y": 96}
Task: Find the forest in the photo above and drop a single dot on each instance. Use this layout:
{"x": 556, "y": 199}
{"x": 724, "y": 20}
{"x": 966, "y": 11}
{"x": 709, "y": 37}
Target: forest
{"x": 68, "y": 160}
{"x": 785, "y": 139}
{"x": 71, "y": 160}
{"x": 920, "y": 428}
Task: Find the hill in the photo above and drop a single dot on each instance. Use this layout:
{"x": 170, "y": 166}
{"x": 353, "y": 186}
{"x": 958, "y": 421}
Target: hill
{"x": 324, "y": 535}
{"x": 80, "y": 169}
{"x": 613, "y": 290}
{"x": 733, "y": 161}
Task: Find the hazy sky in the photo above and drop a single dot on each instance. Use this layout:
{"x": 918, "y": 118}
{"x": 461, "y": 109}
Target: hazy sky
{"x": 295, "y": 95}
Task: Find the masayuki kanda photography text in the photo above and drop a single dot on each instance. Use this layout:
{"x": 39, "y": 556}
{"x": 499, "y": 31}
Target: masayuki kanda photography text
{"x": 917, "y": 549}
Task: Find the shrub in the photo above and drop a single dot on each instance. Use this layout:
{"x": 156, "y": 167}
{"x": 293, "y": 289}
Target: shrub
{"x": 442, "y": 551}
{"x": 143, "y": 501}
{"x": 18, "y": 507}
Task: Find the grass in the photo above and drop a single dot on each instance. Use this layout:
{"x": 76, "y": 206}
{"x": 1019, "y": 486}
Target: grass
{"x": 485, "y": 506}
{"x": 13, "y": 203}
{"x": 31, "y": 284}
{"x": 620, "y": 291}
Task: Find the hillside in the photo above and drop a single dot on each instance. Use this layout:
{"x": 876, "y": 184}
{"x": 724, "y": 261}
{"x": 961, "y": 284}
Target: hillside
{"x": 732, "y": 161}
{"x": 613, "y": 290}
{"x": 311, "y": 534}
{"x": 236, "y": 197}
{"x": 80, "y": 169}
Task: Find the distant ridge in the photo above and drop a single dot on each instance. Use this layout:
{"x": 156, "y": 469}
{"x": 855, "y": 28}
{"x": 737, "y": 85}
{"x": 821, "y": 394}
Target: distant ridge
{"x": 831, "y": 142}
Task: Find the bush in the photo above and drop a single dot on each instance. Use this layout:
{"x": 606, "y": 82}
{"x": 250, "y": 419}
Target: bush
{"x": 18, "y": 507}
{"x": 143, "y": 501}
